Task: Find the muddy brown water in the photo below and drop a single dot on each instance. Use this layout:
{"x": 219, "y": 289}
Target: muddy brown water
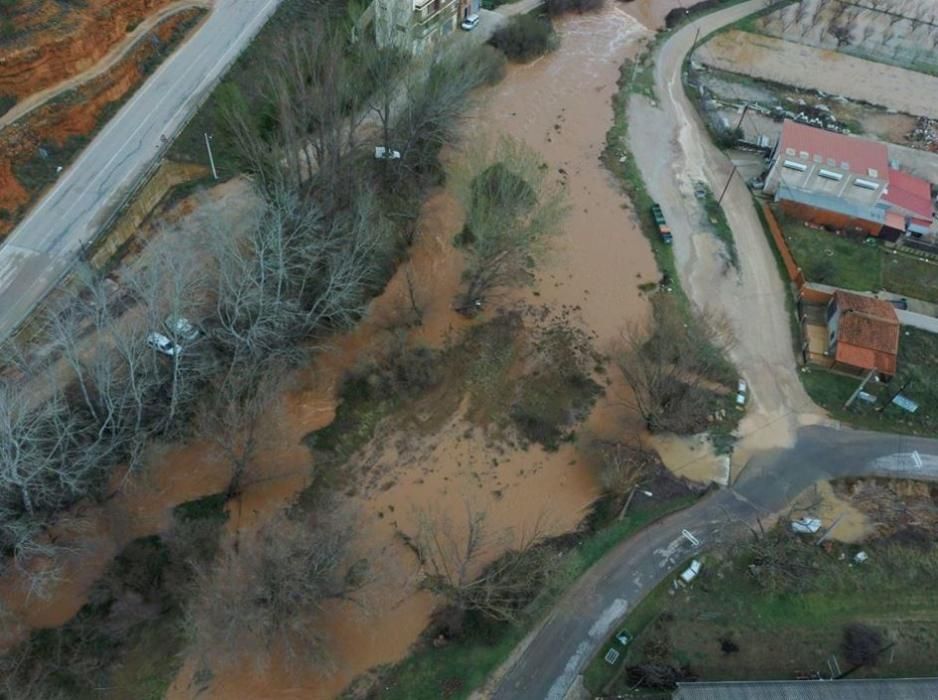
{"x": 560, "y": 105}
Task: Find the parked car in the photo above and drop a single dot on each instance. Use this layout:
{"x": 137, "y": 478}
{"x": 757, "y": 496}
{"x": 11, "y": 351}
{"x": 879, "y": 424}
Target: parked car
{"x": 901, "y": 304}
{"x": 161, "y": 343}
{"x": 663, "y": 229}
{"x": 181, "y": 328}
{"x": 385, "y": 153}
{"x": 470, "y": 22}
{"x": 700, "y": 190}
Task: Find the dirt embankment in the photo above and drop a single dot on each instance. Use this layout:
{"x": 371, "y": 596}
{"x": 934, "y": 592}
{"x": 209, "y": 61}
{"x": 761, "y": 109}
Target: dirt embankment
{"x": 50, "y": 41}
{"x": 45, "y": 140}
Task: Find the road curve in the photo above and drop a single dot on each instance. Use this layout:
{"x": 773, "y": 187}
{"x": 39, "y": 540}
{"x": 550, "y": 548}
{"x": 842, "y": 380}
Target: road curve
{"x": 47, "y": 242}
{"x": 581, "y": 621}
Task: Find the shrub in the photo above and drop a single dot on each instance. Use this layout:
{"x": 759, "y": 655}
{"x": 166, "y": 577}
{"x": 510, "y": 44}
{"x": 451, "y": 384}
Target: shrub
{"x": 525, "y": 37}
{"x": 558, "y": 7}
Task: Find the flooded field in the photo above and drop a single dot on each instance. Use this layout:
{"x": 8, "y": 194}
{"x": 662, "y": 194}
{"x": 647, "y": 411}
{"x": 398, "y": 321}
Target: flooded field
{"x": 561, "y": 106}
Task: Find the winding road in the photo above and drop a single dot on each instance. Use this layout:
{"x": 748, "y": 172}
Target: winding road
{"x": 787, "y": 445}
{"x": 48, "y": 241}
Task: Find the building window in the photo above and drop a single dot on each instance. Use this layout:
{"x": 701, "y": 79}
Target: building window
{"x": 830, "y": 175}
{"x": 792, "y": 165}
{"x": 865, "y": 184}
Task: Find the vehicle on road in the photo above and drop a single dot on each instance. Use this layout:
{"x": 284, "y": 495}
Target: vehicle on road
{"x": 181, "y": 328}
{"x": 700, "y": 190}
{"x": 470, "y": 23}
{"x": 161, "y": 343}
{"x": 663, "y": 229}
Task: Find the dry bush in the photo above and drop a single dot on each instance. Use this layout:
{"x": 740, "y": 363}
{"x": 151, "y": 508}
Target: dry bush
{"x": 862, "y": 644}
{"x": 267, "y": 593}
{"x": 453, "y": 556}
{"x": 672, "y": 366}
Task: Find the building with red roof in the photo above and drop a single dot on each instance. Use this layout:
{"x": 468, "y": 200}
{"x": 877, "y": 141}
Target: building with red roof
{"x": 863, "y": 333}
{"x": 846, "y": 182}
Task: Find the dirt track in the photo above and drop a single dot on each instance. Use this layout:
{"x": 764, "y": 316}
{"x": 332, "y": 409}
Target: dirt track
{"x": 821, "y": 69}
{"x": 117, "y": 54}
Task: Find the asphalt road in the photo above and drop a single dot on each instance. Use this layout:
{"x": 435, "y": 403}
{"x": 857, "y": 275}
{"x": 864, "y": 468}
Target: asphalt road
{"x": 583, "y": 619}
{"x": 47, "y": 242}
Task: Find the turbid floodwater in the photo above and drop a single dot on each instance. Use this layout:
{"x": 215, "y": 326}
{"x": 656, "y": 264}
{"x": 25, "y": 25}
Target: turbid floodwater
{"x": 561, "y": 106}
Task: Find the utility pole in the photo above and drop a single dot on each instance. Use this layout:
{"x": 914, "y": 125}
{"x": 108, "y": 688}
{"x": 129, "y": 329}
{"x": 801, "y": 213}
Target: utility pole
{"x": 211, "y": 160}
{"x": 741, "y": 116}
{"x": 860, "y": 388}
{"x": 727, "y": 185}
{"x": 891, "y": 398}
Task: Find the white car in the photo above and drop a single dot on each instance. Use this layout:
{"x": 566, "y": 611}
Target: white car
{"x": 691, "y": 572}
{"x": 385, "y": 153}
{"x": 181, "y": 328}
{"x": 161, "y": 343}
{"x": 470, "y": 22}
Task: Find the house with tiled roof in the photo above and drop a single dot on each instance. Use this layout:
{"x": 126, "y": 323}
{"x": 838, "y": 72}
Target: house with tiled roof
{"x": 863, "y": 333}
{"x": 846, "y": 183}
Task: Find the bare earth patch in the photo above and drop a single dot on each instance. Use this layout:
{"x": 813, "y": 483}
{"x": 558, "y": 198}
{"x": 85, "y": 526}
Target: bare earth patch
{"x": 821, "y": 69}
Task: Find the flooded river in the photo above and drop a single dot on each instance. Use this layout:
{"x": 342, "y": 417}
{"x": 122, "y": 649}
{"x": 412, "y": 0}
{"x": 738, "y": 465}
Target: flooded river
{"x": 561, "y": 106}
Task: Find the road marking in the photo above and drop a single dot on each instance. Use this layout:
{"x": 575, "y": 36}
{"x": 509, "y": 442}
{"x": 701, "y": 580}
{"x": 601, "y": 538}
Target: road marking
{"x": 917, "y": 459}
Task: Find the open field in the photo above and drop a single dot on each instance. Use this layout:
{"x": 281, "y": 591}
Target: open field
{"x": 900, "y": 32}
{"x": 732, "y": 625}
{"x": 853, "y": 264}
{"x": 834, "y": 73}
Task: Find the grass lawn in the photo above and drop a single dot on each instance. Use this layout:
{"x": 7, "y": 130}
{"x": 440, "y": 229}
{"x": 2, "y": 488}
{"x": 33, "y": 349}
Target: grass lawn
{"x": 779, "y": 635}
{"x": 721, "y": 227}
{"x": 865, "y": 267}
{"x": 455, "y": 670}
{"x": 918, "y": 372}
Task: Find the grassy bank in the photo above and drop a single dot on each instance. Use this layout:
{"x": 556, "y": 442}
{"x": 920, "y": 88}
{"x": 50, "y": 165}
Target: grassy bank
{"x": 456, "y": 669}
{"x": 730, "y": 624}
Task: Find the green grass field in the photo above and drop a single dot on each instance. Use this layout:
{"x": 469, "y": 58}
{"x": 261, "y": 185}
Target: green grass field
{"x": 780, "y": 635}
{"x": 851, "y": 264}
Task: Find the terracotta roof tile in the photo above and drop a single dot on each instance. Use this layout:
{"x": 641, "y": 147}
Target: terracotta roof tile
{"x": 867, "y": 333}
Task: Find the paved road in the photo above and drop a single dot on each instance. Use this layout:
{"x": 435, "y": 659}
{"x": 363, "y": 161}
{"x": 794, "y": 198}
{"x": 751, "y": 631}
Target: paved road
{"x": 44, "y": 246}
{"x": 583, "y": 619}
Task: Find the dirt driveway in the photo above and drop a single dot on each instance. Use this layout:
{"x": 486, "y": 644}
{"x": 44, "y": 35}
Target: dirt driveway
{"x": 835, "y": 73}
{"x": 672, "y": 149}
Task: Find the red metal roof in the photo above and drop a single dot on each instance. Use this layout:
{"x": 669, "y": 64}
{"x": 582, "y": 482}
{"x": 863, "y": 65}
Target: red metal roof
{"x": 909, "y": 192}
{"x": 860, "y": 155}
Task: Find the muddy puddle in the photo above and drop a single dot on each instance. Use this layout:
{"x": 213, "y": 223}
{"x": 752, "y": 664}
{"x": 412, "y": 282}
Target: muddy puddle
{"x": 846, "y": 523}
{"x": 693, "y": 457}
{"x": 560, "y": 105}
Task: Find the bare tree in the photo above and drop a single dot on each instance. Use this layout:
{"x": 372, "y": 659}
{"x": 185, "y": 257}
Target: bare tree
{"x": 673, "y": 367}
{"x": 620, "y": 467}
{"x": 511, "y": 209}
{"x": 270, "y": 593}
{"x": 454, "y": 564}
